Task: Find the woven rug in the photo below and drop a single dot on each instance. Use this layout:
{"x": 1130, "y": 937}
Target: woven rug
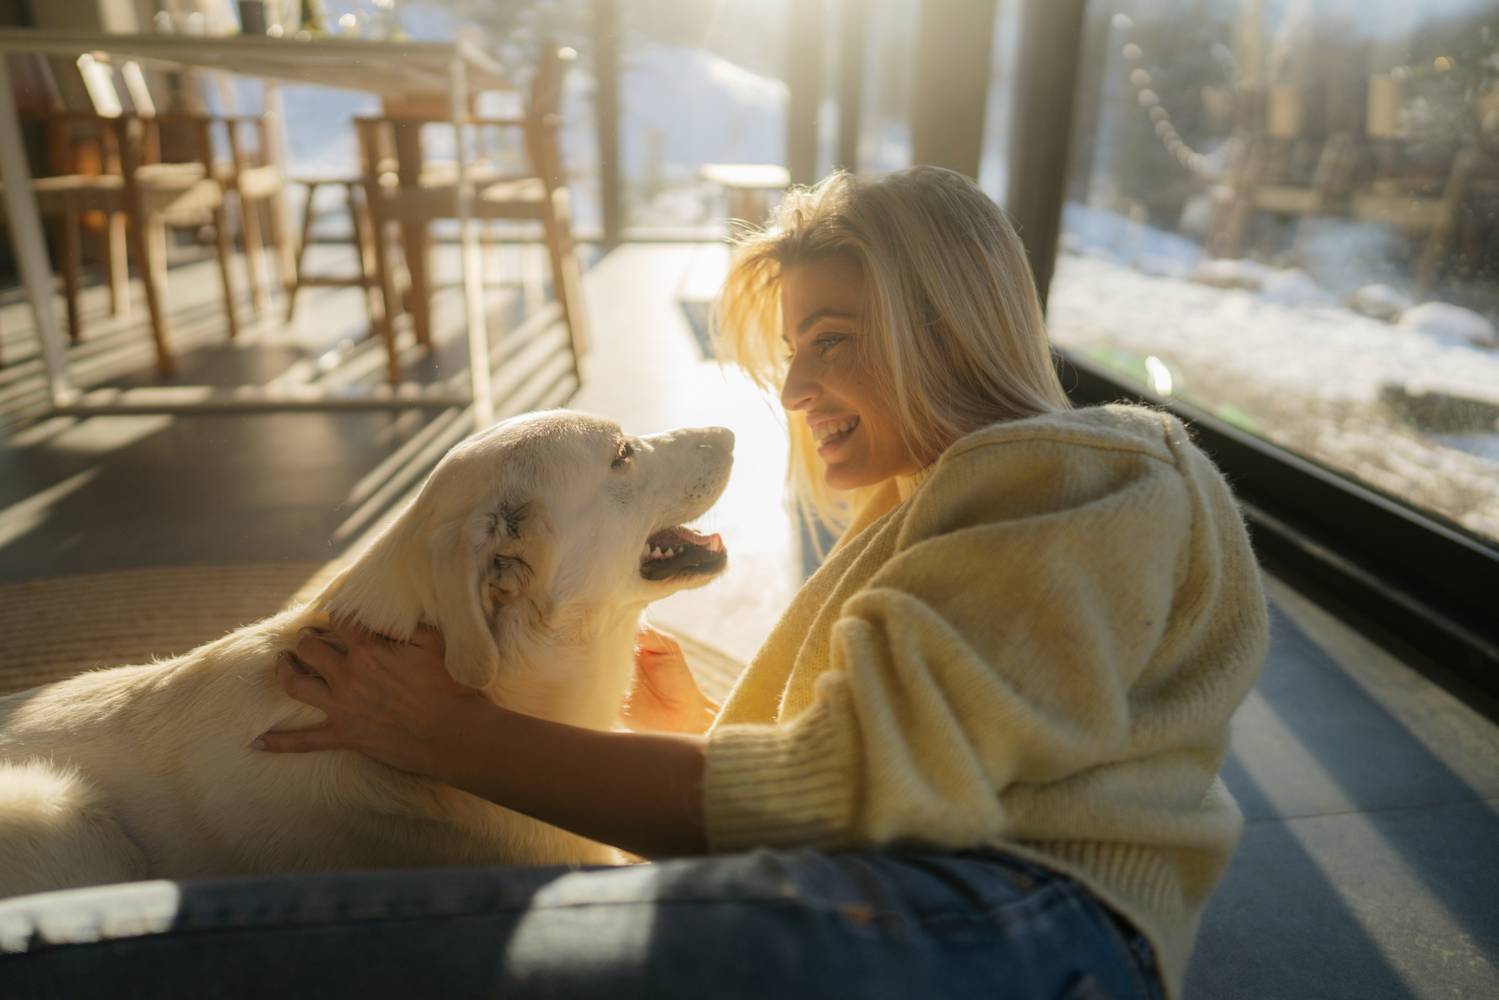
{"x": 52, "y": 629}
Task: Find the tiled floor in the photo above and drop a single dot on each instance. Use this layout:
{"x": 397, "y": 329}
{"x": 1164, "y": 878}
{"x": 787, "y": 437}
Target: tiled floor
{"x": 1370, "y": 861}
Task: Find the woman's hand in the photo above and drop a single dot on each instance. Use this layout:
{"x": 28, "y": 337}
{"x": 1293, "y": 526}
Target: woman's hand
{"x": 392, "y": 701}
{"x": 397, "y": 703}
{"x": 664, "y": 698}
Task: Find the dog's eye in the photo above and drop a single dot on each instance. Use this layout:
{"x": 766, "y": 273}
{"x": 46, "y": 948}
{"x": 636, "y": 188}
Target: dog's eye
{"x": 623, "y": 456}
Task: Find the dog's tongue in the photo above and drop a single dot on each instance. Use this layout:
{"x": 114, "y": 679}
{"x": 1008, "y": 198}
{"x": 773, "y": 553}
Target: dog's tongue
{"x": 685, "y": 534}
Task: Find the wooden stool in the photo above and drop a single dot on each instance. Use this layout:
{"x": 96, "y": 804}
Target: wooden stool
{"x": 359, "y": 219}
{"x": 749, "y": 188}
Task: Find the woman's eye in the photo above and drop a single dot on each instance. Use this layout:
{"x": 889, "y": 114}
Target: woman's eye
{"x": 827, "y": 342}
{"x": 623, "y": 456}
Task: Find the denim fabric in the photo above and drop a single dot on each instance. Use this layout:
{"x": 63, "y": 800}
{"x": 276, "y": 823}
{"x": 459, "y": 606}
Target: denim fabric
{"x": 781, "y": 924}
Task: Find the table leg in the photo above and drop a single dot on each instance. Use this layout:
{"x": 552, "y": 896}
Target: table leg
{"x": 273, "y": 134}
{"x": 30, "y": 248}
{"x": 414, "y": 236}
{"x": 386, "y": 300}
{"x": 477, "y": 331}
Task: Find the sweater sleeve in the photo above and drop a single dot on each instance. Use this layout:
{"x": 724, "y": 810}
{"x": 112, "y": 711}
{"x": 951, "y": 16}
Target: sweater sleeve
{"x": 1031, "y": 586}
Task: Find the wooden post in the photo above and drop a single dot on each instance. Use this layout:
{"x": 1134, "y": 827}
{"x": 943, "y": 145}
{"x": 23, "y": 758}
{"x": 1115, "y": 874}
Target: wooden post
{"x": 852, "y": 36}
{"x": 1046, "y": 81}
{"x": 952, "y": 82}
{"x": 606, "y": 110}
{"x": 804, "y": 28}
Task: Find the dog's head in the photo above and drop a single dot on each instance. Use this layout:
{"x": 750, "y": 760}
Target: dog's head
{"x": 546, "y": 525}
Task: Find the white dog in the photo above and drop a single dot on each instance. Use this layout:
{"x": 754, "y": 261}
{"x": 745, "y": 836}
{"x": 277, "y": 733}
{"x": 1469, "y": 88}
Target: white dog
{"x": 534, "y": 546}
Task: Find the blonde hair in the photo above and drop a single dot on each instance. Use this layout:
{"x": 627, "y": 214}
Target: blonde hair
{"x": 952, "y": 324}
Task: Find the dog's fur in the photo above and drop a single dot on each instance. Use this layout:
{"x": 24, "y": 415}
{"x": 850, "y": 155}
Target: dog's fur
{"x": 524, "y": 547}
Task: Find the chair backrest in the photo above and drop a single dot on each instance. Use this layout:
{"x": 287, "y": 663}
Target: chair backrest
{"x": 544, "y": 112}
{"x": 546, "y": 84}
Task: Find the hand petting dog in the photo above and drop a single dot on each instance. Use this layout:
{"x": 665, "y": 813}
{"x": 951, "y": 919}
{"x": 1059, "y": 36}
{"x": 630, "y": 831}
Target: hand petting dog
{"x": 397, "y": 703}
{"x": 390, "y": 700}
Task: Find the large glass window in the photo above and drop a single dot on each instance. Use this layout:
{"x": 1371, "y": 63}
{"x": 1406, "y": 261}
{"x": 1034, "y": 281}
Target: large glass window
{"x": 700, "y": 83}
{"x": 1287, "y": 214}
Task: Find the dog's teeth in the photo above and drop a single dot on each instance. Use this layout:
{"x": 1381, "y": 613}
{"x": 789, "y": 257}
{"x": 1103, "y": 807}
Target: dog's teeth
{"x": 656, "y": 553}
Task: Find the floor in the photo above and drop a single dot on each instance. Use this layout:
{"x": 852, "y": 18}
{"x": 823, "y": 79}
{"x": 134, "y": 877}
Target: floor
{"x": 1369, "y": 866}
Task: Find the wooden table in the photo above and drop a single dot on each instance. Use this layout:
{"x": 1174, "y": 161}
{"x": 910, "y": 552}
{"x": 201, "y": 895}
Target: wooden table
{"x": 390, "y": 69}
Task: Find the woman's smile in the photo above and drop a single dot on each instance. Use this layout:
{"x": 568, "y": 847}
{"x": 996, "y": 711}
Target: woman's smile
{"x": 832, "y": 435}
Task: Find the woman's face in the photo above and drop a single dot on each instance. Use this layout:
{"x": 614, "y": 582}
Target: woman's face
{"x": 830, "y": 382}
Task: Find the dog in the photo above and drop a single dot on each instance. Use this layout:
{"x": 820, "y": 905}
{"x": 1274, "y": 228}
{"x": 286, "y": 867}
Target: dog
{"x": 534, "y": 546}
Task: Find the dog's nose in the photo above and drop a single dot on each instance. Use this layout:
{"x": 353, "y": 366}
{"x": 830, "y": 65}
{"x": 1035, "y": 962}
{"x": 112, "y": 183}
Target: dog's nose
{"x": 719, "y": 437}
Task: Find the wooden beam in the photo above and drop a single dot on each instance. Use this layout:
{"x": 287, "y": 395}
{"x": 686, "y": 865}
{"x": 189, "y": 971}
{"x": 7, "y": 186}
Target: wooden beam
{"x": 952, "y": 83}
{"x": 606, "y": 108}
{"x": 804, "y": 58}
{"x": 1046, "y": 80}
{"x": 852, "y": 36}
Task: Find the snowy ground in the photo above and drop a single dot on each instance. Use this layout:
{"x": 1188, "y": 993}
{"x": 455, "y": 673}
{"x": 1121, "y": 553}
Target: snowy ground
{"x": 1305, "y": 372}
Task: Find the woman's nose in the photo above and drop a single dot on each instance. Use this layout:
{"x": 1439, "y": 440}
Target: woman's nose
{"x": 798, "y": 391}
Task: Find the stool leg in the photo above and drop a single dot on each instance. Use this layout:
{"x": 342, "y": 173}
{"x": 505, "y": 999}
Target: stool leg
{"x": 249, "y": 219}
{"x": 70, "y": 258}
{"x": 363, "y": 251}
{"x": 116, "y": 263}
{"x": 221, "y": 252}
{"x": 296, "y": 284}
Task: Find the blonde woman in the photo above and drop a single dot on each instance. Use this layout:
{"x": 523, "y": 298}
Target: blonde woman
{"x": 979, "y": 753}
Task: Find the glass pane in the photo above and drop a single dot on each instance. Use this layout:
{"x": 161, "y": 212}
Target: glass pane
{"x": 1285, "y": 214}
{"x": 885, "y": 114}
{"x": 994, "y": 172}
{"x": 700, "y": 83}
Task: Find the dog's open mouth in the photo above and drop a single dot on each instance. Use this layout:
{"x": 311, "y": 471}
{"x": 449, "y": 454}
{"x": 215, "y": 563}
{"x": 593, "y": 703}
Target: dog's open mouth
{"x": 680, "y": 551}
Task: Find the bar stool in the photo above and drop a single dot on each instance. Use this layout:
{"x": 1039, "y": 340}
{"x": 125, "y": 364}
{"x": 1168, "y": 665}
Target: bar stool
{"x": 353, "y": 186}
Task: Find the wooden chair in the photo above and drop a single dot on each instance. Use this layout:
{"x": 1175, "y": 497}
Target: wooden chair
{"x": 68, "y": 197}
{"x": 400, "y": 192}
{"x": 1255, "y": 188}
{"x": 256, "y": 184}
{"x": 151, "y": 197}
{"x": 1434, "y": 215}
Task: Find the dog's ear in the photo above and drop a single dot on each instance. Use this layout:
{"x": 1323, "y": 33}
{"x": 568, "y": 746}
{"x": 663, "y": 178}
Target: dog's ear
{"x": 491, "y": 572}
{"x": 509, "y": 579}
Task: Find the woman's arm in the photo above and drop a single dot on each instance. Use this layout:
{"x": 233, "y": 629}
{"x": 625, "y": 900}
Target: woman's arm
{"x": 397, "y": 703}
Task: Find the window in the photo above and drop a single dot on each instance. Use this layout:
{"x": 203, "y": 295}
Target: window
{"x": 1285, "y": 215}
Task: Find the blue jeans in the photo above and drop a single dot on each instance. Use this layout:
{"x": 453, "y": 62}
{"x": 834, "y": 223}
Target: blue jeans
{"x": 781, "y": 924}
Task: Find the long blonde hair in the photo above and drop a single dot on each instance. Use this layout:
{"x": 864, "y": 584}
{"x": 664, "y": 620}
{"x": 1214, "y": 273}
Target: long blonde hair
{"x": 951, "y": 320}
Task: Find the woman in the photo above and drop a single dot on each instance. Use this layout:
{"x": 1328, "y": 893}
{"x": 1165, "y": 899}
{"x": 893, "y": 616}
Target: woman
{"x": 979, "y": 752}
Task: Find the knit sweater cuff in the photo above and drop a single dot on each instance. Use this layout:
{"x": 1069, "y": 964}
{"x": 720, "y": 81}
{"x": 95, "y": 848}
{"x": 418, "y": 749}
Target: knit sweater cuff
{"x": 775, "y": 786}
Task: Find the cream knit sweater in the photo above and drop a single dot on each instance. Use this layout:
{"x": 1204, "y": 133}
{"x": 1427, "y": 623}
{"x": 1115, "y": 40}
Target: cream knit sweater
{"x": 1039, "y": 649}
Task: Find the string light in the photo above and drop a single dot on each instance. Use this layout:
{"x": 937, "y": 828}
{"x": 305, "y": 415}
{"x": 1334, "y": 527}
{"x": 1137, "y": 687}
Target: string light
{"x": 1160, "y": 117}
